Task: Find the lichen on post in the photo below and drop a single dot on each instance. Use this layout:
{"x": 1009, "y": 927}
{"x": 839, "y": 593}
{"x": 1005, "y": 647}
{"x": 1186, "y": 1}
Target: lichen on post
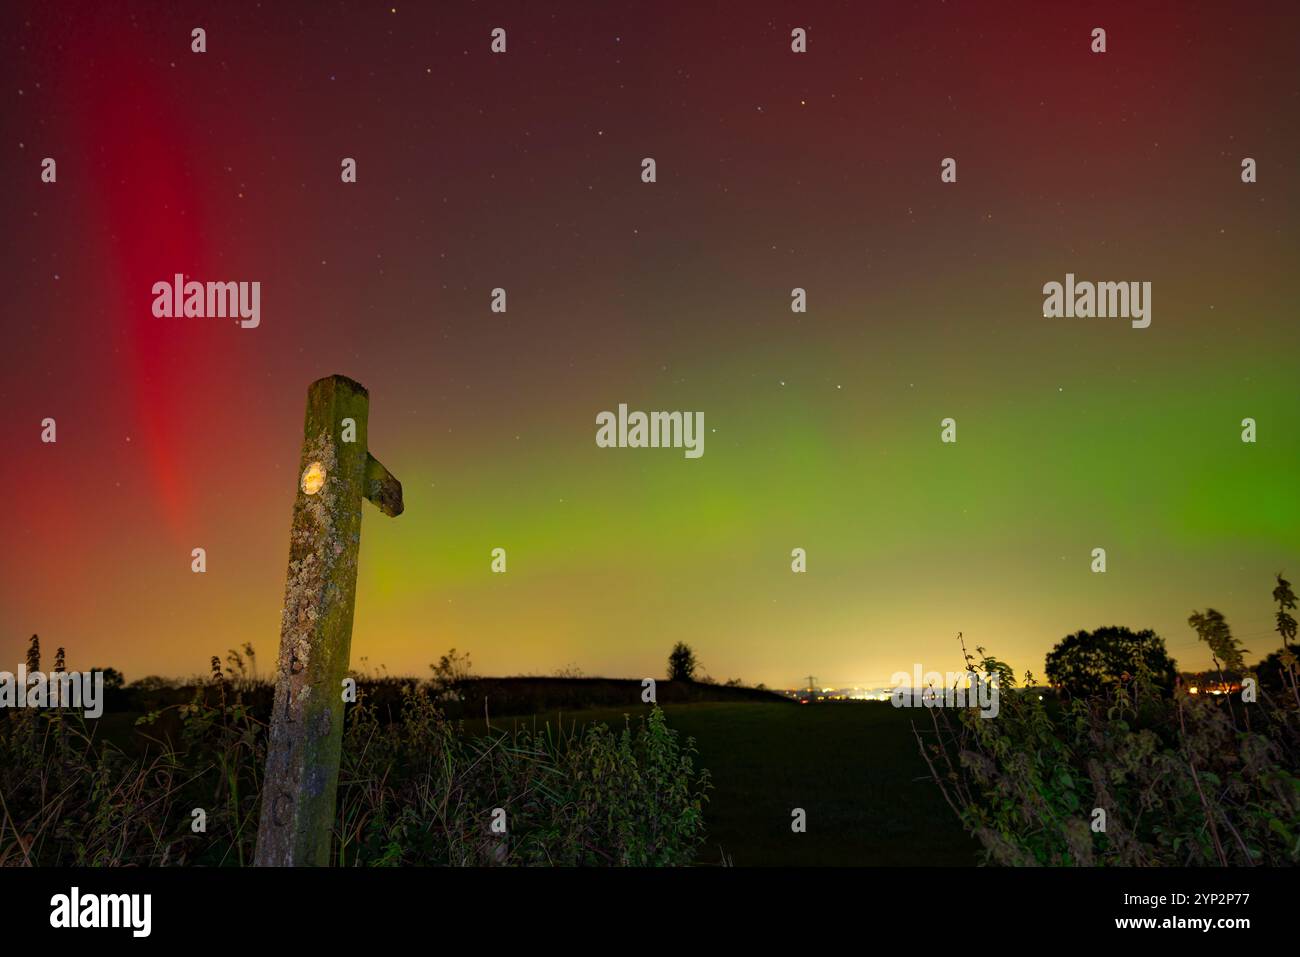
{"x": 302, "y": 764}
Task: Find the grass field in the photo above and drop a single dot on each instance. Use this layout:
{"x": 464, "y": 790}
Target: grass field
{"x": 853, "y": 767}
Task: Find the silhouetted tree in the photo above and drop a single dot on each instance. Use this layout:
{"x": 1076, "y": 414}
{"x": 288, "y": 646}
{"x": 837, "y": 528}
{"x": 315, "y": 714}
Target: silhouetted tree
{"x": 1273, "y": 669}
{"x": 682, "y": 663}
{"x": 113, "y": 679}
{"x": 1084, "y": 662}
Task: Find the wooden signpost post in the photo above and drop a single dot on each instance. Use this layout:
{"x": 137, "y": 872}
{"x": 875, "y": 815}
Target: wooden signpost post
{"x": 302, "y": 765}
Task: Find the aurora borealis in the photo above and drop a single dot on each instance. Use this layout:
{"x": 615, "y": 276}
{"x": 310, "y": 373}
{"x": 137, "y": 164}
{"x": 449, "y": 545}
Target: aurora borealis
{"x": 775, "y": 171}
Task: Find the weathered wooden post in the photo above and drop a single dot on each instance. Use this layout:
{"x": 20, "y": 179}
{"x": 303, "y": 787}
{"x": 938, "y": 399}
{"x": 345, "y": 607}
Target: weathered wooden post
{"x": 302, "y": 764}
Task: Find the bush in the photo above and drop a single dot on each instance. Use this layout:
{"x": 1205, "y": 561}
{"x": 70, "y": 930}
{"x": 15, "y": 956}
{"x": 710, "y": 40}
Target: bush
{"x": 417, "y": 790}
{"x": 1183, "y": 779}
{"x": 591, "y": 797}
{"x": 70, "y": 799}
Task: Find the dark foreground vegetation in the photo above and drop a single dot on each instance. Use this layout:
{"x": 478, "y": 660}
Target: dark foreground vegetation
{"x": 602, "y": 786}
{"x": 1122, "y": 765}
{"x": 181, "y": 784}
{"x": 1133, "y": 768}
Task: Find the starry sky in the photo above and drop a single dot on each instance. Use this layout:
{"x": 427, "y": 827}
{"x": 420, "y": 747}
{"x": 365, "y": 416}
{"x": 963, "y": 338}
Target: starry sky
{"x": 775, "y": 170}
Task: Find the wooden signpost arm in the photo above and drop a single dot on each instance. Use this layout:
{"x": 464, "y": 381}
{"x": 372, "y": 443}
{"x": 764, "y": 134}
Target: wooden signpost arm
{"x": 382, "y": 489}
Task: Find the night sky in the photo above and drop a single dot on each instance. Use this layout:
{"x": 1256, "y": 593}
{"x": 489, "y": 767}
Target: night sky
{"x": 775, "y": 170}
